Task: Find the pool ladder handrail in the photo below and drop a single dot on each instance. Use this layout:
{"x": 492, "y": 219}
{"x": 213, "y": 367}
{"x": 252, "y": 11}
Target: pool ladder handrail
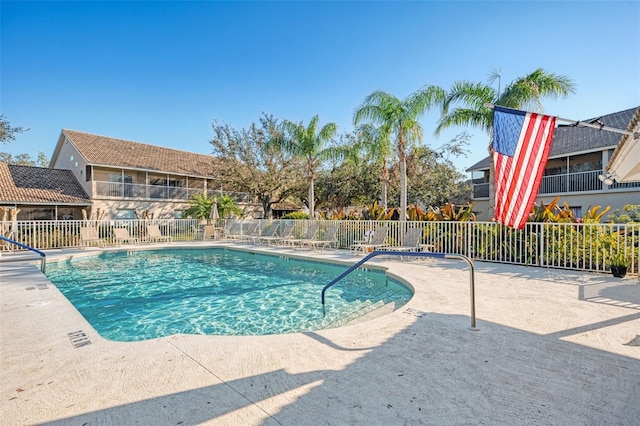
{"x": 43, "y": 261}
{"x": 472, "y": 285}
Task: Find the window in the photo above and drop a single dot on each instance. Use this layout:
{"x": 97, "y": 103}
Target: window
{"x": 178, "y": 214}
{"x": 125, "y": 214}
{"x": 577, "y": 211}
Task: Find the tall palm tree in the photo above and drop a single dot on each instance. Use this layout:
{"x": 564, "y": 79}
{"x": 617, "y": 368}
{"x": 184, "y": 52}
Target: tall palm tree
{"x": 309, "y": 144}
{"x": 401, "y": 119}
{"x": 375, "y": 142}
{"x": 524, "y": 93}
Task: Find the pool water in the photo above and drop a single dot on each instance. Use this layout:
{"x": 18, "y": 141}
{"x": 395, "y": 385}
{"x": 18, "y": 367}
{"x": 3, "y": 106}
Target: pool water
{"x": 140, "y": 295}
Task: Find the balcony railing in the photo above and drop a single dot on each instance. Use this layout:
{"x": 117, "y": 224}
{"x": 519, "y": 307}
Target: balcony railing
{"x": 141, "y": 191}
{"x": 567, "y": 182}
{"x": 158, "y": 192}
{"x": 571, "y": 182}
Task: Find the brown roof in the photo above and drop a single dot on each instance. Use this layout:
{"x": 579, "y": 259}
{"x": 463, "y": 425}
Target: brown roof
{"x": 38, "y": 185}
{"x": 112, "y": 152}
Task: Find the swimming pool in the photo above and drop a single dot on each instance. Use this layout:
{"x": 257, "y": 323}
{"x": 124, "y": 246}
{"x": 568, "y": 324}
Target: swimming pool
{"x": 140, "y": 295}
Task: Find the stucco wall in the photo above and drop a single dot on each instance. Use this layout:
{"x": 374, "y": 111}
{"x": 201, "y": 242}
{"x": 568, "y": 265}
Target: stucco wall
{"x": 70, "y": 159}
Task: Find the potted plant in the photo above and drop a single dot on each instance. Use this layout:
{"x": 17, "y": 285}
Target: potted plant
{"x": 618, "y": 263}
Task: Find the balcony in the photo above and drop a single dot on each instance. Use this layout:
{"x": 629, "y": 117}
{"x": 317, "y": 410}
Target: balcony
{"x": 141, "y": 191}
{"x": 563, "y": 183}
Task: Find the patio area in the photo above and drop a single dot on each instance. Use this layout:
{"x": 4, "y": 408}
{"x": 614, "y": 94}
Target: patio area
{"x": 553, "y": 347}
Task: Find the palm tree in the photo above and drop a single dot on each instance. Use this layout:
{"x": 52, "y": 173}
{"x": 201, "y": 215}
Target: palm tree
{"x": 309, "y": 144}
{"x": 376, "y": 142}
{"x": 199, "y": 207}
{"x": 227, "y": 207}
{"x": 523, "y": 93}
{"x": 400, "y": 119}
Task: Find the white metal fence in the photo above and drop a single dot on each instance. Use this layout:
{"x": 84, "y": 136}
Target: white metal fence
{"x": 585, "y": 247}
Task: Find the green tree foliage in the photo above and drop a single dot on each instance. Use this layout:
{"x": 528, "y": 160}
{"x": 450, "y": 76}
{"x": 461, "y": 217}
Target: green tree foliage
{"x": 432, "y": 176}
{"x": 466, "y": 101}
{"x": 346, "y": 185}
{"x": 311, "y": 145}
{"x": 249, "y": 164}
{"x": 374, "y": 144}
{"x": 8, "y": 132}
{"x": 399, "y": 119}
{"x": 199, "y": 207}
{"x": 629, "y": 214}
{"x": 227, "y": 207}
{"x": 24, "y": 159}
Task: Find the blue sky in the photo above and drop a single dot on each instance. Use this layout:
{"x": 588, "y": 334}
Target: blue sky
{"x": 161, "y": 72}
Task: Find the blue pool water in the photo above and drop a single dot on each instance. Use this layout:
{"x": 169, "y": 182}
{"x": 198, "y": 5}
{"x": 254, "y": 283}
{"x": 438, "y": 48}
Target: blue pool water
{"x": 130, "y": 296}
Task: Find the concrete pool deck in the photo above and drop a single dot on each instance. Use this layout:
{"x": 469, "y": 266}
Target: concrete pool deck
{"x": 553, "y": 347}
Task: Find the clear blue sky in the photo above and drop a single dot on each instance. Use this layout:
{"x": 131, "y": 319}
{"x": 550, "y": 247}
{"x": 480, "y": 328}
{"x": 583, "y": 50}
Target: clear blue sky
{"x": 161, "y": 72}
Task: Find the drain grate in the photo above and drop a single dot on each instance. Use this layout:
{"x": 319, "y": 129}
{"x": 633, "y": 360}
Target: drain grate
{"x": 79, "y": 339}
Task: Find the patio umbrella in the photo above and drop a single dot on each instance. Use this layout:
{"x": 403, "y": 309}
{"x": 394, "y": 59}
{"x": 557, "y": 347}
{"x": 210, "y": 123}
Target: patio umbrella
{"x": 214, "y": 211}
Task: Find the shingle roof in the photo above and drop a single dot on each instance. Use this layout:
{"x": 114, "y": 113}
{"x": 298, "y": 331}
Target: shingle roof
{"x": 38, "y": 185}
{"x": 106, "y": 151}
{"x": 568, "y": 139}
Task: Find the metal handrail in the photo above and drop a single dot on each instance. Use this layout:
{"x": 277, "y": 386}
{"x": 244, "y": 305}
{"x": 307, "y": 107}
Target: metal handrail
{"x": 472, "y": 284}
{"x": 43, "y": 261}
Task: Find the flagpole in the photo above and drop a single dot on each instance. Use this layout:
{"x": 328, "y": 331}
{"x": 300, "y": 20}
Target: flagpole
{"x": 578, "y": 123}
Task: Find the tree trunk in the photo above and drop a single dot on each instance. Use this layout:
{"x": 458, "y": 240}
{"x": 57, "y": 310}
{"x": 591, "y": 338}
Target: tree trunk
{"x": 311, "y": 199}
{"x": 403, "y": 187}
{"x": 384, "y": 183}
{"x": 402, "y": 156}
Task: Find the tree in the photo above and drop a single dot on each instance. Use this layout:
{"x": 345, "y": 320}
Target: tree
{"x": 199, "y": 207}
{"x": 8, "y": 133}
{"x": 250, "y": 165}
{"x": 24, "y": 159}
{"x": 227, "y": 207}
{"x": 345, "y": 185}
{"x": 400, "y": 119}
{"x": 443, "y": 183}
{"x": 523, "y": 93}
{"x": 310, "y": 145}
{"x": 376, "y": 144}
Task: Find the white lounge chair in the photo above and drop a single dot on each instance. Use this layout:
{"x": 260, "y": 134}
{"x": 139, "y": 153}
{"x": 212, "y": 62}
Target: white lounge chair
{"x": 89, "y": 236}
{"x": 412, "y": 241}
{"x": 121, "y": 235}
{"x": 154, "y": 235}
{"x": 378, "y": 240}
{"x": 267, "y": 234}
{"x": 328, "y": 240}
{"x": 310, "y": 235}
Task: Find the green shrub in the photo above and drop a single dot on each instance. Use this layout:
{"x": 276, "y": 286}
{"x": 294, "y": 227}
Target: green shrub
{"x": 296, "y": 215}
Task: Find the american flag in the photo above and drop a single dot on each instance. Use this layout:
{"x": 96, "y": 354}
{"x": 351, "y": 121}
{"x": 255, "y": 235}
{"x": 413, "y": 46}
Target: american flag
{"x": 521, "y": 144}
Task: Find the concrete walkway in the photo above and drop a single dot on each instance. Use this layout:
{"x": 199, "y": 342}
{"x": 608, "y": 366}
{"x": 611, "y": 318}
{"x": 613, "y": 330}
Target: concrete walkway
{"x": 553, "y": 347}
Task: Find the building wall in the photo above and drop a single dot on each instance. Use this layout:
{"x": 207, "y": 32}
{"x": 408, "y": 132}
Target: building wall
{"x": 617, "y": 200}
{"x": 70, "y": 159}
{"x": 117, "y": 209}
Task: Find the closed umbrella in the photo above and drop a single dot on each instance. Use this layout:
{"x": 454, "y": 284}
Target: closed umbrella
{"x": 214, "y": 211}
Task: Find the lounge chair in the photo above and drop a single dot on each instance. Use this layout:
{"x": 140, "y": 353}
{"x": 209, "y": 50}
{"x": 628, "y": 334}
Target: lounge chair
{"x": 211, "y": 231}
{"x": 249, "y": 232}
{"x": 378, "y": 240}
{"x": 284, "y": 236}
{"x": 233, "y": 230}
{"x": 328, "y": 239}
{"x": 412, "y": 241}
{"x": 89, "y": 236}
{"x": 154, "y": 235}
{"x": 6, "y": 245}
{"x": 121, "y": 235}
{"x": 308, "y": 236}
{"x": 267, "y": 234}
